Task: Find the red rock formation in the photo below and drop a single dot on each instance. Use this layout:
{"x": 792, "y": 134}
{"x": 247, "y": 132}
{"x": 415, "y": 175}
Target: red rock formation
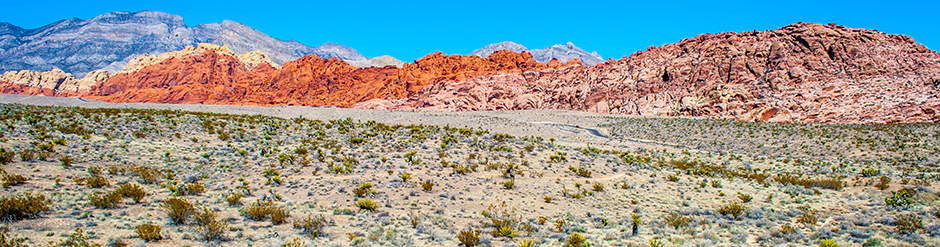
{"x": 212, "y": 77}
{"x": 205, "y": 77}
{"x": 802, "y": 72}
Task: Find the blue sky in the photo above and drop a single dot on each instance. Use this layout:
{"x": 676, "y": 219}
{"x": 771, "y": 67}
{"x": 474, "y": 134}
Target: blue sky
{"x": 411, "y": 29}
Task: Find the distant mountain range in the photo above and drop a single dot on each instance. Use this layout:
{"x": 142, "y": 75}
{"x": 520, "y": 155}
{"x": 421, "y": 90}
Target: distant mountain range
{"x": 561, "y": 52}
{"x": 109, "y": 41}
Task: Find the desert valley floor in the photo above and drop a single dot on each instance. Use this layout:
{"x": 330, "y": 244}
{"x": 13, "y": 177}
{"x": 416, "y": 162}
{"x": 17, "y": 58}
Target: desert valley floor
{"x": 78, "y": 171}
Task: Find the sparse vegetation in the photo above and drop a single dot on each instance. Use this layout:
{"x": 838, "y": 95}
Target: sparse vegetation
{"x": 814, "y": 194}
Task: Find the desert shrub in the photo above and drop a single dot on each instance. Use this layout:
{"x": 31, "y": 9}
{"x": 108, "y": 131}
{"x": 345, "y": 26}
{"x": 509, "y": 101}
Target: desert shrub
{"x": 505, "y": 231}
{"x": 97, "y": 182}
{"x": 312, "y": 226}
{"x": 509, "y": 185}
{"x": 870, "y": 172}
{"x": 76, "y": 239}
{"x": 66, "y": 161}
{"x": 363, "y": 190}
{"x": 559, "y": 157}
{"x": 672, "y": 178}
{"x": 526, "y": 243}
{"x": 261, "y": 210}
{"x": 576, "y": 240}
{"x": 580, "y": 171}
{"x": 808, "y": 217}
{"x": 27, "y": 155}
{"x": 366, "y": 204}
{"x": 6, "y": 156}
{"x": 279, "y": 215}
{"x": 908, "y": 223}
{"x": 598, "y": 186}
{"x": 469, "y": 237}
{"x": 548, "y": 199}
{"x": 901, "y": 198}
{"x": 24, "y": 206}
{"x": 10, "y": 180}
{"x": 404, "y": 177}
{"x": 11, "y": 241}
{"x": 149, "y": 232}
{"x": 190, "y": 189}
{"x": 745, "y": 198}
{"x": 178, "y": 209}
{"x": 146, "y": 174}
{"x": 234, "y": 199}
{"x": 427, "y": 185}
{"x": 883, "y": 183}
{"x": 676, "y": 220}
{"x": 716, "y": 183}
{"x": 208, "y": 226}
{"x": 132, "y": 191}
{"x": 93, "y": 170}
{"x": 832, "y": 183}
{"x": 734, "y": 208}
{"x": 828, "y": 243}
{"x": 109, "y": 200}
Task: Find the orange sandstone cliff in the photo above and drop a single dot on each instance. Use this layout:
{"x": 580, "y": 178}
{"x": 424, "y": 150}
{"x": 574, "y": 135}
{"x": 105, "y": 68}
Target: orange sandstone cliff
{"x": 803, "y": 72}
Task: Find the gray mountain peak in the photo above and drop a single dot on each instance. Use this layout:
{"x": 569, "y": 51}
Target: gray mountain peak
{"x": 563, "y": 53}
{"x": 110, "y": 40}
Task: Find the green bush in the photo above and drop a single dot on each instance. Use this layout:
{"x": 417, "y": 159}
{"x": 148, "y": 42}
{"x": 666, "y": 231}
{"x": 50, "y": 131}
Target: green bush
{"x": 366, "y": 204}
{"x": 25, "y": 206}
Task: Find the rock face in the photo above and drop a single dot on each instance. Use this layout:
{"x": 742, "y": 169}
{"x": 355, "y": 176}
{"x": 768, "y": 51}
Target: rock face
{"x": 563, "y": 53}
{"x": 109, "y": 41}
{"x": 802, "y": 72}
{"x": 210, "y": 74}
{"x": 380, "y": 61}
{"x": 330, "y": 49}
{"x": 50, "y": 83}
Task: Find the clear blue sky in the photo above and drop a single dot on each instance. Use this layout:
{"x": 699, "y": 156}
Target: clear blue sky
{"x": 411, "y": 29}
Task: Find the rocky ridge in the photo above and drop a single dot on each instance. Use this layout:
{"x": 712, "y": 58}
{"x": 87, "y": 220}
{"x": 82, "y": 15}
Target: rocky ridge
{"x": 380, "y": 61}
{"x": 110, "y": 41}
{"x": 563, "y": 53}
{"x": 216, "y": 76}
{"x": 804, "y": 72}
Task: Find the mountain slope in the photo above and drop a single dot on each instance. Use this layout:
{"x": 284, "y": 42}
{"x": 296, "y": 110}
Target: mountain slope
{"x": 804, "y": 72}
{"x": 563, "y": 53}
{"x": 109, "y": 41}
